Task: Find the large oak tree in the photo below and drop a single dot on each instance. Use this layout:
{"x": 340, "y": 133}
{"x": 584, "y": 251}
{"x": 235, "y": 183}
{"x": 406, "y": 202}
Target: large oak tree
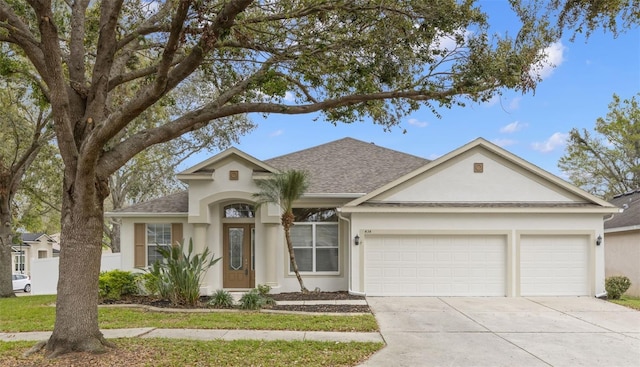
{"x": 351, "y": 60}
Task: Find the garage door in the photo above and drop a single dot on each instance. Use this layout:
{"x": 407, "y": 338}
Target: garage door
{"x": 435, "y": 265}
{"x": 554, "y": 266}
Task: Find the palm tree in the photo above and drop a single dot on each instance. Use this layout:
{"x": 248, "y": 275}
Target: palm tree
{"x": 283, "y": 189}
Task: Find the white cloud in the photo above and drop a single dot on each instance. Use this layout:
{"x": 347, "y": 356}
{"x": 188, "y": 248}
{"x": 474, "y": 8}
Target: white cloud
{"x": 289, "y": 97}
{"x": 554, "y": 57}
{"x": 514, "y": 104}
{"x": 418, "y": 123}
{"x": 513, "y": 127}
{"x": 504, "y": 142}
{"x": 555, "y": 141}
{"x": 276, "y": 133}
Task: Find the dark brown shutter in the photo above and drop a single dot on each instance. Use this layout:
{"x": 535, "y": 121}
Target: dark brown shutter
{"x": 176, "y": 233}
{"x": 139, "y": 245}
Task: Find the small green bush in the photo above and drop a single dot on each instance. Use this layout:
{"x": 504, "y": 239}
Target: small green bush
{"x": 251, "y": 300}
{"x": 263, "y": 289}
{"x": 616, "y": 286}
{"x": 221, "y": 299}
{"x": 256, "y": 298}
{"x": 116, "y": 283}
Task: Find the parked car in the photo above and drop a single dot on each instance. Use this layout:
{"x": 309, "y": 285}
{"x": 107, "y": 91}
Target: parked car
{"x": 21, "y": 282}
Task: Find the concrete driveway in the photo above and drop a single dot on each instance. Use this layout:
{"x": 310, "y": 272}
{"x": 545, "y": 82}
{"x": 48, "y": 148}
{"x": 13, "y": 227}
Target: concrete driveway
{"x": 549, "y": 331}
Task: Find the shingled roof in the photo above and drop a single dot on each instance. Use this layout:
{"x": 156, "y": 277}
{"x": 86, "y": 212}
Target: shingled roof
{"x": 173, "y": 203}
{"x": 348, "y": 166}
{"x": 345, "y": 166}
{"x": 630, "y": 203}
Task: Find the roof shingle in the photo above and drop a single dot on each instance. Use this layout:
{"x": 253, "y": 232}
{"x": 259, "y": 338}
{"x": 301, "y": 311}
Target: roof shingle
{"x": 630, "y": 202}
{"x": 348, "y": 166}
{"x": 172, "y": 203}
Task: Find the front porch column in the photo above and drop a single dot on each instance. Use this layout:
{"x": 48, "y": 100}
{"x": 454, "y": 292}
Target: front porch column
{"x": 199, "y": 244}
{"x": 271, "y": 257}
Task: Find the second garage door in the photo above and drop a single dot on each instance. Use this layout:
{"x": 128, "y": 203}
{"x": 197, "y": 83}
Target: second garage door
{"x": 554, "y": 265}
{"x": 451, "y": 265}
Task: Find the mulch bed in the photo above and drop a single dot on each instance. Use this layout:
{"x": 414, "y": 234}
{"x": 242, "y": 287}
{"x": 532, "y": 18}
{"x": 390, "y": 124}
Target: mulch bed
{"x": 294, "y": 296}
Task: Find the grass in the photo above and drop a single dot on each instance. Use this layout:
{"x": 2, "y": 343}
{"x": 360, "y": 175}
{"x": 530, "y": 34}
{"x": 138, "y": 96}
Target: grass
{"x": 628, "y": 301}
{"x": 35, "y": 313}
{"x": 146, "y": 352}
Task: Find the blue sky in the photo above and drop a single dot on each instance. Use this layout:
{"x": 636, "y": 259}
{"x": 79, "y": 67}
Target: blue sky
{"x": 573, "y": 94}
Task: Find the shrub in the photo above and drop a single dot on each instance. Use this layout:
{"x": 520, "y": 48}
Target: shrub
{"x": 116, "y": 283}
{"x": 177, "y": 277}
{"x": 221, "y": 299}
{"x": 251, "y": 300}
{"x": 256, "y": 298}
{"x": 263, "y": 290}
{"x": 616, "y": 286}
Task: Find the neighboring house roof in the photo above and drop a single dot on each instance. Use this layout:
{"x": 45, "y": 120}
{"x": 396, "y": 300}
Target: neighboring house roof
{"x": 630, "y": 217}
{"x": 348, "y": 166}
{"x": 177, "y": 203}
{"x": 31, "y": 237}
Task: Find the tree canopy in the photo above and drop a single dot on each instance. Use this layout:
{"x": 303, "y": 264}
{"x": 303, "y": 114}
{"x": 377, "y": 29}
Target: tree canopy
{"x": 608, "y": 162}
{"x": 24, "y": 132}
{"x": 105, "y": 65}
{"x": 588, "y": 15}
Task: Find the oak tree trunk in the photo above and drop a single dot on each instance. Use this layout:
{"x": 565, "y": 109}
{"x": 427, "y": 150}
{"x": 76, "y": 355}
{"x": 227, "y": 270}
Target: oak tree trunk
{"x": 76, "y": 326}
{"x": 6, "y": 237}
{"x": 115, "y": 235}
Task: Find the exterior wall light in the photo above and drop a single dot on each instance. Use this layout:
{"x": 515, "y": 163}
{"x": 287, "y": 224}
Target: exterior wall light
{"x": 598, "y": 240}
{"x": 356, "y": 240}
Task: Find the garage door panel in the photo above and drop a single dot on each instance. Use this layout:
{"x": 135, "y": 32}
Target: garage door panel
{"x": 554, "y": 266}
{"x": 436, "y": 265}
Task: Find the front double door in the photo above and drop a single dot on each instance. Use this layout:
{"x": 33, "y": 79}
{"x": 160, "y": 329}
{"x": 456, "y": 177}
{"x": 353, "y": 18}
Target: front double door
{"x": 238, "y": 258}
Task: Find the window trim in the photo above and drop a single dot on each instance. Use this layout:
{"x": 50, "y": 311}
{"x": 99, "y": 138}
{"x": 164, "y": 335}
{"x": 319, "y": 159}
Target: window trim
{"x": 19, "y": 262}
{"x": 148, "y": 244}
{"x": 314, "y": 248}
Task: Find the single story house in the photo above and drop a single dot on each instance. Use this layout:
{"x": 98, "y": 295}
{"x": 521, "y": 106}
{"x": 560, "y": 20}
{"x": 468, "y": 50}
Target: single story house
{"x": 32, "y": 246}
{"x": 622, "y": 235}
{"x": 478, "y": 221}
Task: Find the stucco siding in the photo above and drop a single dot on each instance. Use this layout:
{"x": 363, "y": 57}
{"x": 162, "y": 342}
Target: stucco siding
{"x": 456, "y": 181}
{"x": 622, "y": 257}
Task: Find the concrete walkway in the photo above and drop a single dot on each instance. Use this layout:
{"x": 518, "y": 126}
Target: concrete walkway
{"x": 212, "y": 334}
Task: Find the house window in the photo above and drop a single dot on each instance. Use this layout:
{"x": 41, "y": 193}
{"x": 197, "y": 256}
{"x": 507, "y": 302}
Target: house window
{"x": 239, "y": 210}
{"x": 18, "y": 261}
{"x": 315, "y": 240}
{"x": 158, "y": 235}
{"x": 42, "y": 254}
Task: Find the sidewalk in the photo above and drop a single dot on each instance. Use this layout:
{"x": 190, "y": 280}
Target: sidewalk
{"x": 213, "y": 334}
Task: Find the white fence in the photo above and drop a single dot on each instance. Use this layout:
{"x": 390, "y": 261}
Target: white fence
{"x": 44, "y": 272}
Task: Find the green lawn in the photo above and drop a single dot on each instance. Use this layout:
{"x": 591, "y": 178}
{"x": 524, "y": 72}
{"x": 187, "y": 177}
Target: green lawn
{"x": 35, "y": 313}
{"x": 628, "y": 301}
{"x": 169, "y": 353}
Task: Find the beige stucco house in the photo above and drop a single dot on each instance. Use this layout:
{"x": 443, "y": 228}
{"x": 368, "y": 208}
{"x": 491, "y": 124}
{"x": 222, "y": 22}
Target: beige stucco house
{"x": 478, "y": 221}
{"x": 32, "y": 246}
{"x": 622, "y": 237}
